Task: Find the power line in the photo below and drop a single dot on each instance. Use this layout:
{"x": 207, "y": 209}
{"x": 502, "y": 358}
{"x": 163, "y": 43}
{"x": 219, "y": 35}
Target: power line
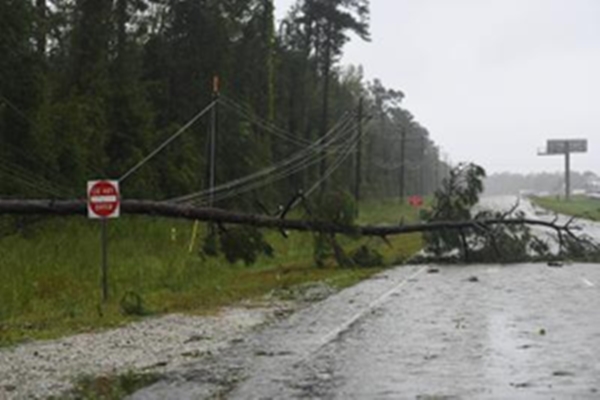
{"x": 351, "y": 143}
{"x": 296, "y": 160}
{"x": 266, "y": 125}
{"x": 167, "y": 142}
{"x": 15, "y": 109}
{"x": 29, "y": 179}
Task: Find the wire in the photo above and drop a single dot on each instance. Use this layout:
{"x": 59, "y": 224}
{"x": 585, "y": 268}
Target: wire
{"x": 299, "y": 158}
{"x": 334, "y": 166}
{"x": 29, "y": 180}
{"x": 54, "y": 175}
{"x": 395, "y": 166}
{"x": 167, "y": 142}
{"x": 15, "y": 109}
{"x": 268, "y": 126}
{"x": 279, "y": 175}
{"x": 351, "y": 144}
{"x": 18, "y": 170}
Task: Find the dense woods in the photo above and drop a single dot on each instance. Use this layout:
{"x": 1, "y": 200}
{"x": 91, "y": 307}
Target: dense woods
{"x": 88, "y": 88}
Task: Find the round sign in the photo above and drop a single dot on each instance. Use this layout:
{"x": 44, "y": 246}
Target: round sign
{"x": 103, "y": 199}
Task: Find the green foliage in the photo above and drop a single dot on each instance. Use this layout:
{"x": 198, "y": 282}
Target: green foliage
{"x": 88, "y": 88}
{"x": 244, "y": 243}
{"x": 505, "y": 244}
{"x": 366, "y": 257}
{"x": 210, "y": 247}
{"x": 236, "y": 243}
{"x": 453, "y": 202}
{"x": 578, "y": 206}
{"x": 337, "y": 207}
{"x": 132, "y": 304}
{"x": 497, "y": 243}
{"x": 111, "y": 386}
{"x": 51, "y": 270}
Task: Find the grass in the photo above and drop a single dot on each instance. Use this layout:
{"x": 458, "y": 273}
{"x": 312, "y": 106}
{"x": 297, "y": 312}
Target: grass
{"x": 50, "y": 270}
{"x": 579, "y": 206}
{"x": 111, "y": 386}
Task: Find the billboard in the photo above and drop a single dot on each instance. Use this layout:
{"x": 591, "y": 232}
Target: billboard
{"x": 562, "y": 146}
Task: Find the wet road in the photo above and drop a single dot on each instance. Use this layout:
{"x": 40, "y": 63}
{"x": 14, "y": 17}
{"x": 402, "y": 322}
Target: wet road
{"x": 523, "y": 331}
{"x": 505, "y": 203}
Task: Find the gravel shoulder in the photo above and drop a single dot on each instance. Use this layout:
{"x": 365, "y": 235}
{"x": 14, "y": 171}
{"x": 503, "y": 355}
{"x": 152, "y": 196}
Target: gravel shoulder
{"x": 155, "y": 345}
{"x": 256, "y": 366}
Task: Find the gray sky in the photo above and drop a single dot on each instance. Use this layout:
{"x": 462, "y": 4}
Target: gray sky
{"x": 491, "y": 79}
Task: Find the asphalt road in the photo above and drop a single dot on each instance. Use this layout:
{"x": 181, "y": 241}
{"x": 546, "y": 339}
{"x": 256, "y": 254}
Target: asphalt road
{"x": 523, "y": 331}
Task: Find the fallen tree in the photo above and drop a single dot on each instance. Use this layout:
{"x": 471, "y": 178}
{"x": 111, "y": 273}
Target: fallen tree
{"x": 172, "y": 210}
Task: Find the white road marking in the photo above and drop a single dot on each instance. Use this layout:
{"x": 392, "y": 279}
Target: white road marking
{"x": 587, "y": 282}
{"x": 343, "y": 327}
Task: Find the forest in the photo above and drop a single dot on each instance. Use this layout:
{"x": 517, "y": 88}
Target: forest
{"x": 261, "y": 109}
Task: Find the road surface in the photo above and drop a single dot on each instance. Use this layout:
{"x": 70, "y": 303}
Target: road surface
{"x": 522, "y": 331}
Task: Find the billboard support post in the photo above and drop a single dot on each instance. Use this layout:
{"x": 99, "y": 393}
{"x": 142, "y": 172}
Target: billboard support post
{"x": 565, "y": 147}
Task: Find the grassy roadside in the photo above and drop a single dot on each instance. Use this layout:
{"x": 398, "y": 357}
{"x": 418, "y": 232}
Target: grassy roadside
{"x": 579, "y": 206}
{"x": 50, "y": 271}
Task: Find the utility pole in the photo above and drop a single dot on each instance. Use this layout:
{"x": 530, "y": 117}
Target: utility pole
{"x": 358, "y": 159}
{"x": 422, "y": 168}
{"x": 211, "y": 172}
{"x": 437, "y": 172}
{"x": 402, "y": 163}
{"x": 567, "y": 171}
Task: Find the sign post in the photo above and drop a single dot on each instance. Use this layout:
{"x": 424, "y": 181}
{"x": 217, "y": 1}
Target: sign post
{"x": 565, "y": 147}
{"x": 104, "y": 202}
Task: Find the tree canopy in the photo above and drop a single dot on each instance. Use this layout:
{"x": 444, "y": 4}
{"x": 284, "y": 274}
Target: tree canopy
{"x": 88, "y": 88}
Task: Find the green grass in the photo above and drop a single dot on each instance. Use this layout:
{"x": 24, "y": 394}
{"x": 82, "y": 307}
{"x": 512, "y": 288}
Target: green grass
{"x": 579, "y": 206}
{"x": 111, "y": 386}
{"x": 50, "y": 270}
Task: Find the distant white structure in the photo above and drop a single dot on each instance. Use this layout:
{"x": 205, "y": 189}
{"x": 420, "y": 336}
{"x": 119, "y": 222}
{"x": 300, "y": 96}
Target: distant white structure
{"x": 592, "y": 186}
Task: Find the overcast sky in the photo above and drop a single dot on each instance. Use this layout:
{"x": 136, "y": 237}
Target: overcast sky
{"x": 491, "y": 79}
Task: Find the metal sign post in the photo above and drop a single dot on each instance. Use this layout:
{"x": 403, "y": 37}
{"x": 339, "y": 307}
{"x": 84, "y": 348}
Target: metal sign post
{"x": 104, "y": 202}
{"x": 565, "y": 147}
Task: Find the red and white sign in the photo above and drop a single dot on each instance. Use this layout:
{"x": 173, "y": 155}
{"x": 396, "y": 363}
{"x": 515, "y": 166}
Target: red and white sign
{"x": 415, "y": 201}
{"x": 104, "y": 199}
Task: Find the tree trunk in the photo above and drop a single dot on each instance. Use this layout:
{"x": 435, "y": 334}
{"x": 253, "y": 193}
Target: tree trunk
{"x": 41, "y": 27}
{"x": 171, "y": 210}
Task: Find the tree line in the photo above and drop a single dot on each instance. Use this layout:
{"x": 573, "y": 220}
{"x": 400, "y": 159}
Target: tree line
{"x": 89, "y": 87}
{"x": 544, "y": 183}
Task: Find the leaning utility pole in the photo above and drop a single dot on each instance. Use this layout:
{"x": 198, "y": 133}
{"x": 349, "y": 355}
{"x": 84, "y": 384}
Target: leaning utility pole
{"x": 565, "y": 147}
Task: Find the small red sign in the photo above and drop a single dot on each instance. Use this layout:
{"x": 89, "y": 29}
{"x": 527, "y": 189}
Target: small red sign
{"x": 104, "y": 199}
{"x": 415, "y": 201}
